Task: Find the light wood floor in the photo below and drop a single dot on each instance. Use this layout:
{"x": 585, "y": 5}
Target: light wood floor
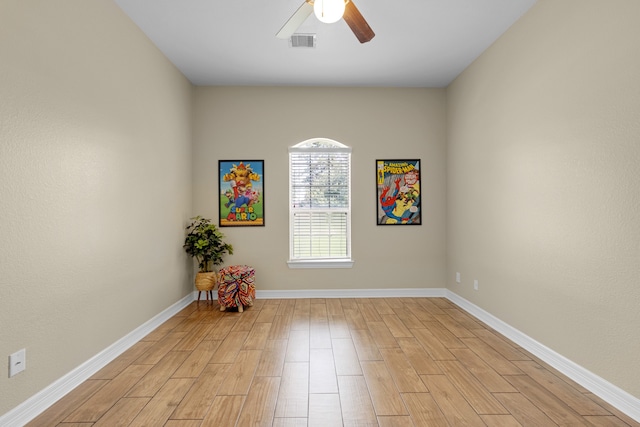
{"x": 328, "y": 362}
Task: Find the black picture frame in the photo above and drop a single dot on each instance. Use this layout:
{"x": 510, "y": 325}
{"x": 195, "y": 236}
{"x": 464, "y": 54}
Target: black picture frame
{"x": 241, "y": 193}
{"x": 398, "y": 192}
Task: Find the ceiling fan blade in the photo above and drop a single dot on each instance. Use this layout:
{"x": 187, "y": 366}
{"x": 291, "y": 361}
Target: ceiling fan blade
{"x": 295, "y": 21}
{"x": 357, "y": 23}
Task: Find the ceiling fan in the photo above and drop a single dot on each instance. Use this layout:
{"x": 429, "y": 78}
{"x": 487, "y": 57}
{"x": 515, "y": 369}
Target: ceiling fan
{"x": 351, "y": 16}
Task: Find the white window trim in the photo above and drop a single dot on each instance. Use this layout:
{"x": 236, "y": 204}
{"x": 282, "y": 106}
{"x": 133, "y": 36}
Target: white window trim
{"x": 347, "y": 262}
{"x": 321, "y": 263}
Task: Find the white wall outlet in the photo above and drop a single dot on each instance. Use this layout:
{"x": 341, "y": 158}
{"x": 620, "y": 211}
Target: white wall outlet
{"x": 17, "y": 362}
{"x": 475, "y": 284}
{"x": 457, "y": 277}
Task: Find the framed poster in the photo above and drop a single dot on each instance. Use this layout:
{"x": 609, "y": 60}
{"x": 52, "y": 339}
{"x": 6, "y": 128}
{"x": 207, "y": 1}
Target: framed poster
{"x": 241, "y": 192}
{"x": 398, "y": 192}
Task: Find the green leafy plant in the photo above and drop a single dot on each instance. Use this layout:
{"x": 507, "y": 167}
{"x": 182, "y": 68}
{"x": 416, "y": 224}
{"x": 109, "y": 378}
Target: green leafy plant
{"x": 205, "y": 243}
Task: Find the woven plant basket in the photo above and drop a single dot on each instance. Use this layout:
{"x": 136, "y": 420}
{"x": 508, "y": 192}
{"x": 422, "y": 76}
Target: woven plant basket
{"x": 206, "y": 281}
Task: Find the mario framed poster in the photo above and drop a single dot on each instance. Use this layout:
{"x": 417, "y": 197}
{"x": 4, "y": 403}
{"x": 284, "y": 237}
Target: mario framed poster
{"x": 241, "y": 193}
{"x": 398, "y": 192}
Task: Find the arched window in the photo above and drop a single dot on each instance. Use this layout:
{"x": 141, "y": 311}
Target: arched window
{"x": 320, "y": 204}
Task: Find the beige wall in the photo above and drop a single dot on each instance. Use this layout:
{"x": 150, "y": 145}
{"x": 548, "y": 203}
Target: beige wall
{"x": 94, "y": 185}
{"x": 262, "y": 122}
{"x": 543, "y": 174}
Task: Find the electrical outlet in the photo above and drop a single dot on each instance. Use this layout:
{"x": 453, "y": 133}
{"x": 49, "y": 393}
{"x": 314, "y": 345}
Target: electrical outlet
{"x": 457, "y": 277}
{"x": 475, "y": 284}
{"x": 17, "y": 362}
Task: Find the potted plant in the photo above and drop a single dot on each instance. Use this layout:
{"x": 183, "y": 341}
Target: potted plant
{"x": 205, "y": 243}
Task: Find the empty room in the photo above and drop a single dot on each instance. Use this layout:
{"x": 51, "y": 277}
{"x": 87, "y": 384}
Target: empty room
{"x": 482, "y": 210}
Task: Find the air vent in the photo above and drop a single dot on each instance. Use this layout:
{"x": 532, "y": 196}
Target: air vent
{"x": 303, "y": 40}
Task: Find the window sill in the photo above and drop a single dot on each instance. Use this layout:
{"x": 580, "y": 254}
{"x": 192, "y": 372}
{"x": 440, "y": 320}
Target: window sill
{"x": 347, "y": 263}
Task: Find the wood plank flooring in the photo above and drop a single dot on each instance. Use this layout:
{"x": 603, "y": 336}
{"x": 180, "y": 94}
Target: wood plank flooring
{"x": 328, "y": 362}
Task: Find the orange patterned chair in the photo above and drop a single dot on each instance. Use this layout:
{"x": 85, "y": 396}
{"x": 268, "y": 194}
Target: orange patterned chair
{"x": 236, "y": 288}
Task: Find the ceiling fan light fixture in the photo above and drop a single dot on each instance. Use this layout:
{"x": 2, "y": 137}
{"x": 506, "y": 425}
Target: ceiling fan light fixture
{"x": 328, "y": 11}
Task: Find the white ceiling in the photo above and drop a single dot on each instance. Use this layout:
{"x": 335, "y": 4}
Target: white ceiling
{"x": 418, "y": 43}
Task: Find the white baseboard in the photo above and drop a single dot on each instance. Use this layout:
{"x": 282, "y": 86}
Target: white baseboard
{"x": 608, "y": 392}
{"x": 352, "y": 293}
{"x": 38, "y": 403}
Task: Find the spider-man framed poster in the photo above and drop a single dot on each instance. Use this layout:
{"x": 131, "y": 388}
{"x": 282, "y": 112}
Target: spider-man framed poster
{"x": 398, "y": 192}
{"x": 241, "y": 193}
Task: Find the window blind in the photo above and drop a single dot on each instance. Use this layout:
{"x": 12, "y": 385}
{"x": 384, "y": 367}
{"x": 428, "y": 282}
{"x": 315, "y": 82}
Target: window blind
{"x": 320, "y": 204}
